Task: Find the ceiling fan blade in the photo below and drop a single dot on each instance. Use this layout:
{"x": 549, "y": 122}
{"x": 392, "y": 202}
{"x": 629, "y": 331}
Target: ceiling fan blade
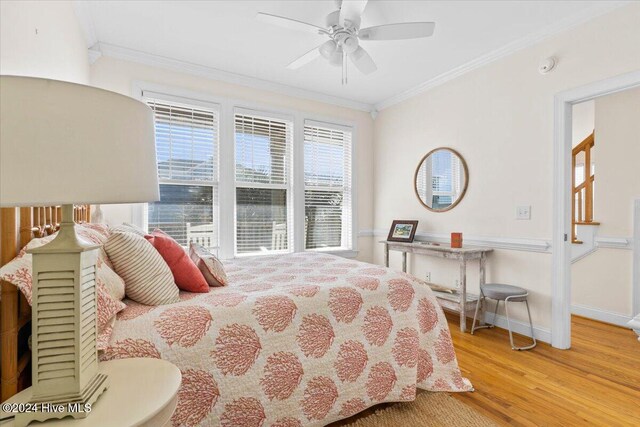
{"x": 289, "y": 23}
{"x": 304, "y": 59}
{"x": 363, "y": 61}
{"x": 407, "y": 30}
{"x": 351, "y": 10}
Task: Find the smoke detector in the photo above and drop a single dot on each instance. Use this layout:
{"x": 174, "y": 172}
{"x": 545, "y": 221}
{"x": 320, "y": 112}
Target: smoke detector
{"x": 547, "y": 65}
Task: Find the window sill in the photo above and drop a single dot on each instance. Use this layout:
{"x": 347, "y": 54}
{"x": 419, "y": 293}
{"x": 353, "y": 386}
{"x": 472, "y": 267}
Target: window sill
{"x": 345, "y": 253}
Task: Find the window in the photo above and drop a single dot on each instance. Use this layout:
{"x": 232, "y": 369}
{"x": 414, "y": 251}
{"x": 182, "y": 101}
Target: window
{"x": 187, "y": 155}
{"x": 245, "y": 183}
{"x": 263, "y": 147}
{"x": 446, "y": 178}
{"x": 327, "y": 186}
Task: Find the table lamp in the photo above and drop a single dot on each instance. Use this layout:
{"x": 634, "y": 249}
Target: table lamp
{"x": 64, "y": 144}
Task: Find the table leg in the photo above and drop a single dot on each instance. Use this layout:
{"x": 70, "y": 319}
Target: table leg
{"x": 404, "y": 262}
{"x": 483, "y": 260}
{"x": 386, "y": 256}
{"x": 463, "y": 292}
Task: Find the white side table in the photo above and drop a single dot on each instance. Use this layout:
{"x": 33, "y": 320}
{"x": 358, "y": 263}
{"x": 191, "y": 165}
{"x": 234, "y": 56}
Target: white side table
{"x": 142, "y": 392}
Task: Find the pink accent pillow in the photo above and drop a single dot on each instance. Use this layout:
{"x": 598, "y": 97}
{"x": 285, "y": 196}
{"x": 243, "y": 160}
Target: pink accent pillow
{"x": 185, "y": 273}
{"x": 209, "y": 265}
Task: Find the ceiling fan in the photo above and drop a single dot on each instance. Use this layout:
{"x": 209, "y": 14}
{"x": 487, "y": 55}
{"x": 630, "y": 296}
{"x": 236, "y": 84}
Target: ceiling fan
{"x": 344, "y": 33}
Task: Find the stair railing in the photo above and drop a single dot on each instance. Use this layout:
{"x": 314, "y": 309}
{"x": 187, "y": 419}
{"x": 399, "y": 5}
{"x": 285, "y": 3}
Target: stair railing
{"x": 582, "y": 207}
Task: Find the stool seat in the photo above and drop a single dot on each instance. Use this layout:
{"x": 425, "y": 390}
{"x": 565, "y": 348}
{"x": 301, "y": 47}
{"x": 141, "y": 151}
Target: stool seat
{"x": 500, "y": 292}
{"x": 506, "y": 293}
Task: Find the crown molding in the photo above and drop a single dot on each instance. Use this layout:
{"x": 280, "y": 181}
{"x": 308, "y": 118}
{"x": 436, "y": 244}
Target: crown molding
{"x": 98, "y": 49}
{"x": 158, "y": 61}
{"x": 544, "y": 33}
{"x": 94, "y": 55}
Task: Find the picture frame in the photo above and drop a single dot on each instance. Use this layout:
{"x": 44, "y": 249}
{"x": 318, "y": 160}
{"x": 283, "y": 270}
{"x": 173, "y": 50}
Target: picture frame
{"x": 402, "y": 231}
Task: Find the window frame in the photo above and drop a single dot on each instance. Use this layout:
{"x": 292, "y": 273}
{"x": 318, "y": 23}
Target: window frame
{"x": 226, "y": 170}
{"x": 214, "y": 184}
{"x": 346, "y": 186}
{"x": 287, "y": 186}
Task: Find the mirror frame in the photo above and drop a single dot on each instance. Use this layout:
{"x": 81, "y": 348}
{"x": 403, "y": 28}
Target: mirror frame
{"x": 466, "y": 181}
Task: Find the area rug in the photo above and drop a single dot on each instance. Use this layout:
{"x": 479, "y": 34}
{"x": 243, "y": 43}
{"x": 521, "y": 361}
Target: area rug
{"x": 429, "y": 409}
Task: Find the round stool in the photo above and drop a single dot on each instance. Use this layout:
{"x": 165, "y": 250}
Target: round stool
{"x": 506, "y": 293}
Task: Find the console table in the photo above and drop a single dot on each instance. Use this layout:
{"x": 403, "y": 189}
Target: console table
{"x": 465, "y": 303}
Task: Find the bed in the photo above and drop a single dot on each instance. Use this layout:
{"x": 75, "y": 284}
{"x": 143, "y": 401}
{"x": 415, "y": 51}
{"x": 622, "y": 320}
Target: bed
{"x": 298, "y": 339}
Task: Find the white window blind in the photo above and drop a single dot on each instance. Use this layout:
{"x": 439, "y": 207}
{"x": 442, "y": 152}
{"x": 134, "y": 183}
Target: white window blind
{"x": 263, "y": 147}
{"x": 422, "y": 178}
{"x": 327, "y": 186}
{"x": 187, "y": 151}
{"x": 446, "y": 178}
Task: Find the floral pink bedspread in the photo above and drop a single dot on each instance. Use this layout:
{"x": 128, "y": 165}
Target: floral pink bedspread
{"x": 300, "y": 339}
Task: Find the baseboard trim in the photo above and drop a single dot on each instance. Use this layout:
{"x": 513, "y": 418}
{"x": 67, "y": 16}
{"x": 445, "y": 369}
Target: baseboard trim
{"x": 521, "y": 328}
{"x": 601, "y": 315}
{"x": 544, "y": 334}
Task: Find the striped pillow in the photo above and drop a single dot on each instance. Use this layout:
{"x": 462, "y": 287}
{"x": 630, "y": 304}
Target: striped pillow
{"x": 147, "y": 277}
{"x": 127, "y": 228}
{"x": 210, "y": 266}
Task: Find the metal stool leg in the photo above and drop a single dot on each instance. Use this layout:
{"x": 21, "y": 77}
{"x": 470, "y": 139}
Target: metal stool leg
{"x": 495, "y": 314}
{"x": 506, "y": 306}
{"x": 475, "y": 315}
{"x": 487, "y": 325}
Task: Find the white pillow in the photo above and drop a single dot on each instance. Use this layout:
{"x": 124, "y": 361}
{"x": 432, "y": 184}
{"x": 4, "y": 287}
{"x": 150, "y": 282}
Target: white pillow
{"x": 147, "y": 277}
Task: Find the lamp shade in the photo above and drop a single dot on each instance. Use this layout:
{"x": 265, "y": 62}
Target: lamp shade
{"x": 65, "y": 143}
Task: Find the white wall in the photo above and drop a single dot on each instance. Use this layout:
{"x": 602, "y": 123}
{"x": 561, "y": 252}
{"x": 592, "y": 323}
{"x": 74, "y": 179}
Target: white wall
{"x": 603, "y": 280}
{"x": 42, "y": 39}
{"x": 500, "y": 118}
{"x": 582, "y": 121}
{"x": 617, "y": 148}
{"x": 119, "y": 76}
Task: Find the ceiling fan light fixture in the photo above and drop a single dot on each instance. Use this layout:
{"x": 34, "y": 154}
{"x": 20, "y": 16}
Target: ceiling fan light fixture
{"x": 328, "y": 48}
{"x": 336, "y": 58}
{"x": 344, "y": 33}
{"x": 350, "y": 44}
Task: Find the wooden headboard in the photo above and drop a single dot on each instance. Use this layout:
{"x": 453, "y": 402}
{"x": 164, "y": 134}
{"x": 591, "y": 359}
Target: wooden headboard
{"x": 17, "y": 227}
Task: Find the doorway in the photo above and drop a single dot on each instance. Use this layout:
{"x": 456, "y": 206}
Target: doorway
{"x": 563, "y": 199}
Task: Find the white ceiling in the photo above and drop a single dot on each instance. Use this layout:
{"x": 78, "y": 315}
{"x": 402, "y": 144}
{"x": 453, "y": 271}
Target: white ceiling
{"x": 225, "y": 35}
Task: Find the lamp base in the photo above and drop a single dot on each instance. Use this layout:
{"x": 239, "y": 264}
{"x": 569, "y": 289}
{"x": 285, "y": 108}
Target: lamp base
{"x": 66, "y": 380}
{"x": 74, "y": 406}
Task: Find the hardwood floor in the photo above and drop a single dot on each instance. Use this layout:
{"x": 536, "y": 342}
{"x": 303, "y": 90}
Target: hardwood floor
{"x": 595, "y": 383}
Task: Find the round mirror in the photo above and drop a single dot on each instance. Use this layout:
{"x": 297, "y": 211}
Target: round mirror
{"x": 441, "y": 179}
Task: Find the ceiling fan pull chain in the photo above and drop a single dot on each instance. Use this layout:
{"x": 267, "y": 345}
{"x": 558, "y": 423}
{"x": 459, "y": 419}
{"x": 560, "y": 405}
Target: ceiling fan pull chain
{"x": 344, "y": 68}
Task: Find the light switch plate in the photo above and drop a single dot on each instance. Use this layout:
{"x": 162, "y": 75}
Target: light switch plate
{"x": 523, "y": 212}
